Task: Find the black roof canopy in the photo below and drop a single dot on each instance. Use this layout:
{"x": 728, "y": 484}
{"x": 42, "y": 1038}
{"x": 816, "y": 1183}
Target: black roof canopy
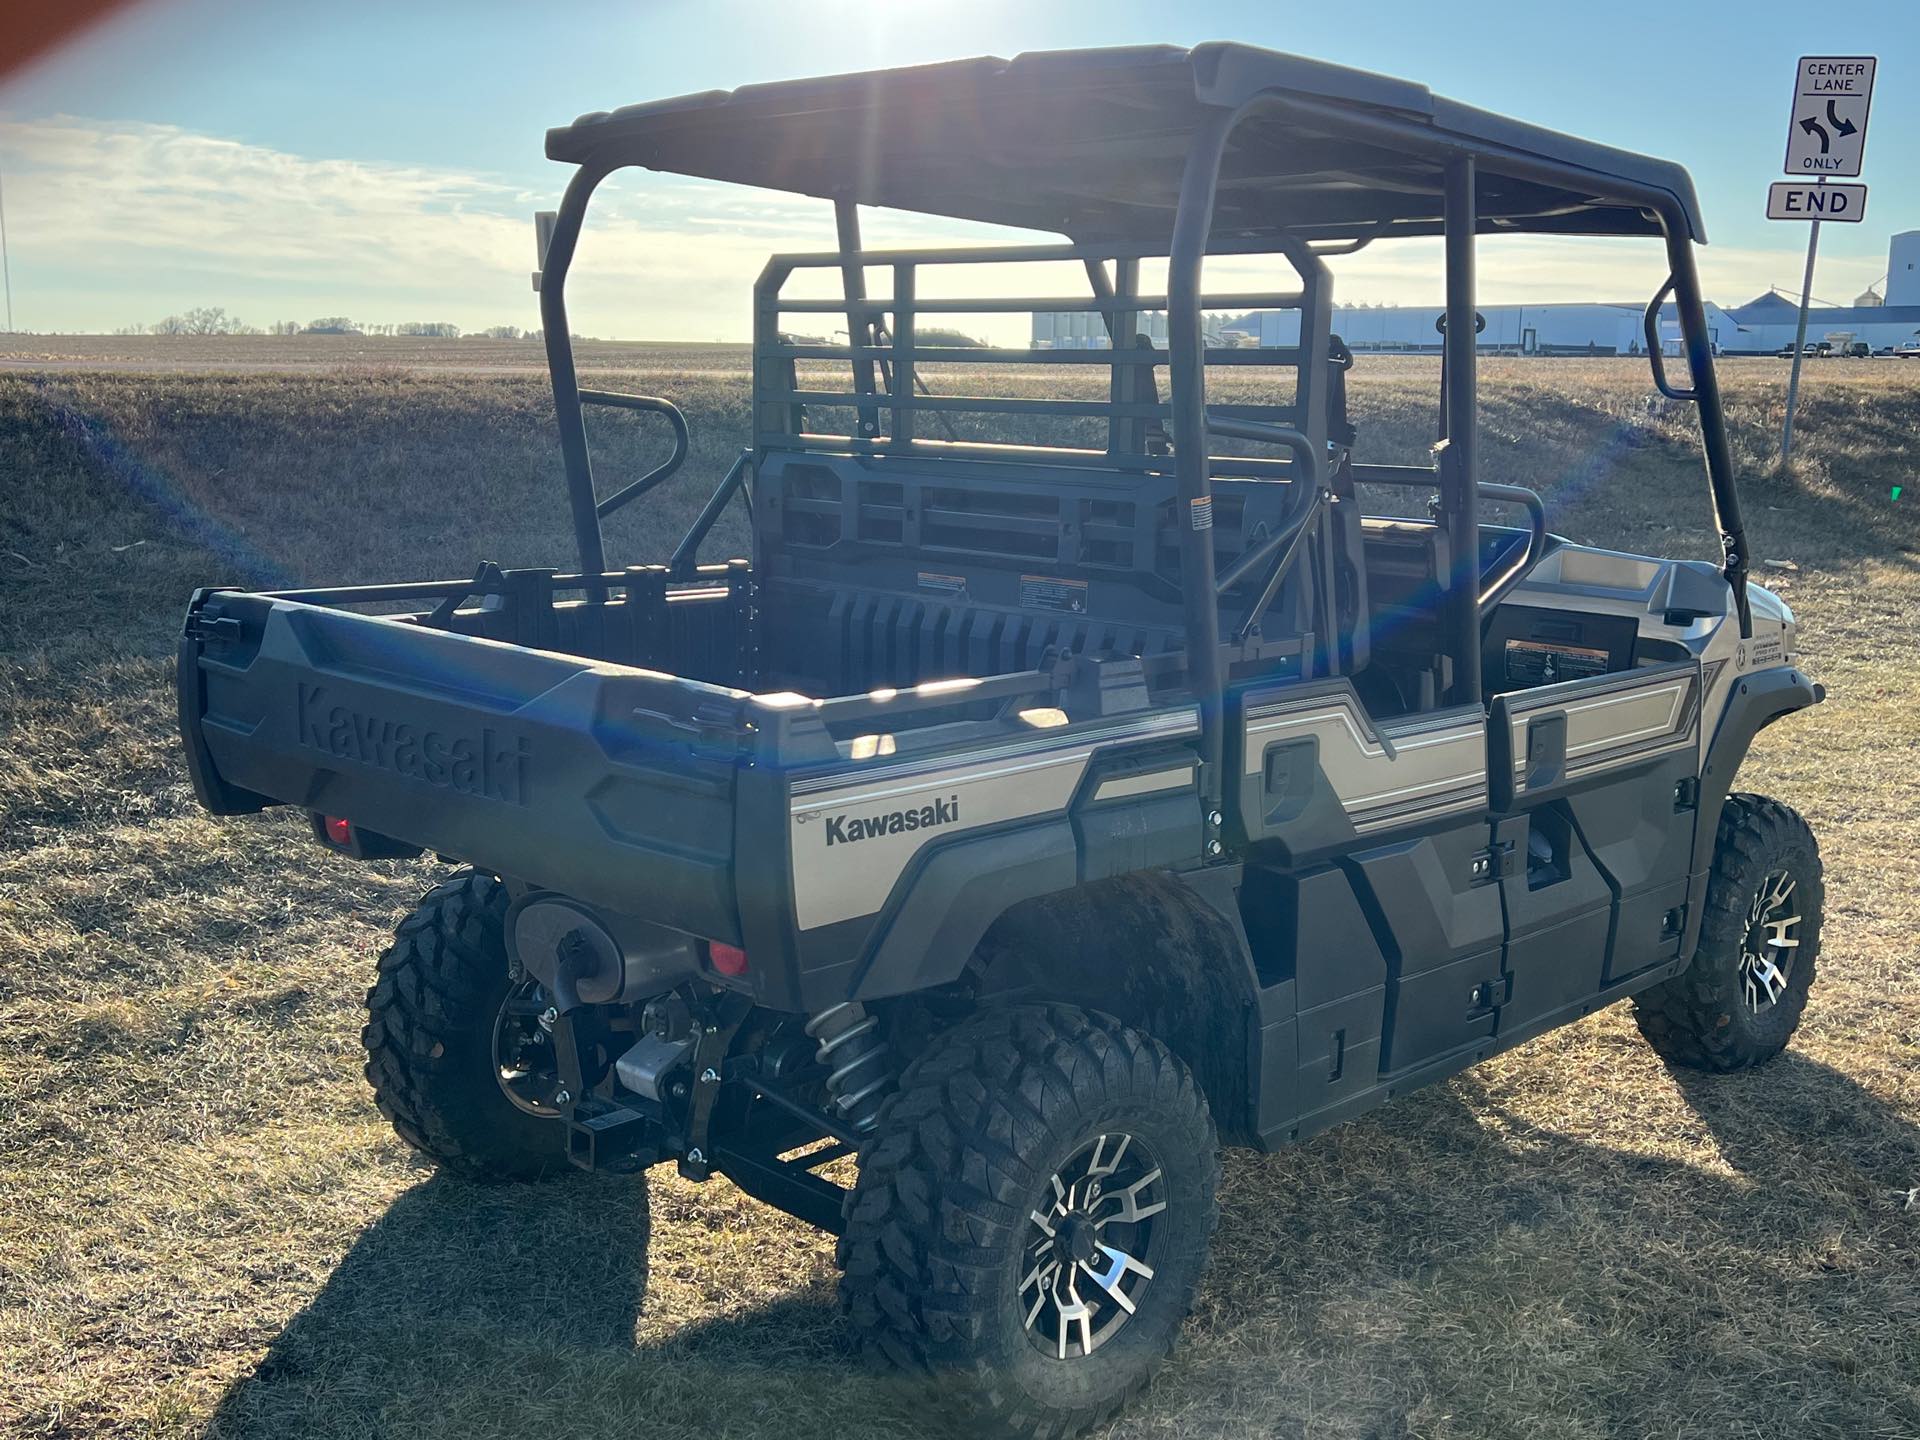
{"x": 1092, "y": 143}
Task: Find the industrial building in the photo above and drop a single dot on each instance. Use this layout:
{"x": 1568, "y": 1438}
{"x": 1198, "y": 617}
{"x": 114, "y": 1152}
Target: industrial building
{"x": 1764, "y": 325}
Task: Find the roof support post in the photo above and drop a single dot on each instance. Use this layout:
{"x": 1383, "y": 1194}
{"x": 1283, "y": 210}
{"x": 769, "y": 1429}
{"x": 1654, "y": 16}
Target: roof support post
{"x": 1459, "y": 468}
{"x": 1121, "y": 389}
{"x": 1713, "y": 421}
{"x": 853, "y": 280}
{"x": 566, "y": 382}
{"x": 1186, "y": 356}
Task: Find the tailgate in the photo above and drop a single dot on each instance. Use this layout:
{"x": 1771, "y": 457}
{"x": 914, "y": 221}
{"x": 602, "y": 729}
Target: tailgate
{"x": 613, "y": 784}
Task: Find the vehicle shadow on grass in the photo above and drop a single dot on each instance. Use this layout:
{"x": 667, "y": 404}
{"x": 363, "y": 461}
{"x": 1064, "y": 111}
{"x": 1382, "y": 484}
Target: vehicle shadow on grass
{"x": 481, "y": 1311}
{"x": 476, "y": 1310}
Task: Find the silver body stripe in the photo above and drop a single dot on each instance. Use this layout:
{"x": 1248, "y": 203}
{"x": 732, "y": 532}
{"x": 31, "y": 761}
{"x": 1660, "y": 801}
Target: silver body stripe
{"x": 1162, "y": 725}
{"x": 1438, "y": 765}
{"x": 1121, "y": 786}
{"x": 1619, "y": 728}
{"x": 849, "y": 849}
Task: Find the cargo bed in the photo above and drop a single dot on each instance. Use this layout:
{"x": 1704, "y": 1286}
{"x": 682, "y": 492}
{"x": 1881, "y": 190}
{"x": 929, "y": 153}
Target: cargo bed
{"x": 662, "y": 796}
{"x": 613, "y": 782}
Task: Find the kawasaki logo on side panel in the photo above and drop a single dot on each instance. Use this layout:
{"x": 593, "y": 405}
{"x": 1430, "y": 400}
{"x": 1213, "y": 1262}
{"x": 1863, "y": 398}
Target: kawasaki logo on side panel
{"x": 845, "y": 829}
{"x": 482, "y": 762}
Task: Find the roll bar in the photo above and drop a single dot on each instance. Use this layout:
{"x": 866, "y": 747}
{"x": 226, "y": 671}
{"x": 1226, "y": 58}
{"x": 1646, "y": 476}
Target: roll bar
{"x": 654, "y": 405}
{"x": 1656, "y": 360}
{"x": 1187, "y": 358}
{"x": 1494, "y": 590}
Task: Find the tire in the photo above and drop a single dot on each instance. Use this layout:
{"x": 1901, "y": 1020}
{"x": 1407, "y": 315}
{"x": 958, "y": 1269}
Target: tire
{"x": 1723, "y": 1012}
{"x": 430, "y": 1037}
{"x": 940, "y": 1230}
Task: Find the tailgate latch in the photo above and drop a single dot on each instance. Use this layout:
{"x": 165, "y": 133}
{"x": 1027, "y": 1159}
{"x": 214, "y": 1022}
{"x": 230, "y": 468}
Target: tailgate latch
{"x": 220, "y": 629}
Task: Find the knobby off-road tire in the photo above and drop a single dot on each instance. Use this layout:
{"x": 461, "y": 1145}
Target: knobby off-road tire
{"x": 430, "y": 1033}
{"x": 940, "y": 1230}
{"x": 1724, "y": 1012}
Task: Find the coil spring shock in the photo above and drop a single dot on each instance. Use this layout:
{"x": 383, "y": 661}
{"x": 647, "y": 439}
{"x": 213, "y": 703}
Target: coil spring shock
{"x": 856, "y": 1061}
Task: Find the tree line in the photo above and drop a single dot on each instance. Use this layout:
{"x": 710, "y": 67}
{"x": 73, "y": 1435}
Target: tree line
{"x": 214, "y": 320}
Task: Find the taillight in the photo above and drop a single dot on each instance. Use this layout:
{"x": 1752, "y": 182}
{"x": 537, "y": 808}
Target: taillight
{"x": 729, "y": 960}
{"x": 343, "y": 837}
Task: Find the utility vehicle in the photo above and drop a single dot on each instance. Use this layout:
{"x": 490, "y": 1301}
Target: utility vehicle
{"x": 1067, "y": 784}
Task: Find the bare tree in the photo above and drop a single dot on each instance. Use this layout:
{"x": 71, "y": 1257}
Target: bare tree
{"x": 209, "y": 320}
{"x": 172, "y": 325}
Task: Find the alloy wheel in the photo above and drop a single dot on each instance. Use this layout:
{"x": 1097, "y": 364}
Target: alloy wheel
{"x": 1090, "y": 1252}
{"x": 1773, "y": 935}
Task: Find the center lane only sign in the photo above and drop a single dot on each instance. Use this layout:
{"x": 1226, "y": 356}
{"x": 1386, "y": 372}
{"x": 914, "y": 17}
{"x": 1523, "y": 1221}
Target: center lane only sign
{"x": 1828, "y": 132}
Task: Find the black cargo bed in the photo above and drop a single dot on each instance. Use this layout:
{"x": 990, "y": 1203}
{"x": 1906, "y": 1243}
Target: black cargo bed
{"x": 614, "y": 783}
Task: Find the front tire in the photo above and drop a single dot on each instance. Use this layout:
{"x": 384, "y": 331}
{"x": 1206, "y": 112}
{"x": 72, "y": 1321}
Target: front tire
{"x": 1741, "y": 999}
{"x": 434, "y": 1020}
{"x": 1031, "y": 1218}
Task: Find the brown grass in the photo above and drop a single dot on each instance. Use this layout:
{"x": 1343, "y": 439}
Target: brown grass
{"x": 206, "y": 1228}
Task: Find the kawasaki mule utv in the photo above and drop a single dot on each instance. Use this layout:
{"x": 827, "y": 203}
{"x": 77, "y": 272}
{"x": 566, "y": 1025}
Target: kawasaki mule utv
{"x": 1067, "y": 785}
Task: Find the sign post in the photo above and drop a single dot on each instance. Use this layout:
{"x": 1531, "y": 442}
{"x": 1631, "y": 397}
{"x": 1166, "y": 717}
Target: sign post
{"x": 1826, "y": 136}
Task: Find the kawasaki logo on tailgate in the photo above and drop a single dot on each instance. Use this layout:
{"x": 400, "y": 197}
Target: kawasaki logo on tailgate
{"x": 845, "y": 830}
{"x": 477, "y": 762}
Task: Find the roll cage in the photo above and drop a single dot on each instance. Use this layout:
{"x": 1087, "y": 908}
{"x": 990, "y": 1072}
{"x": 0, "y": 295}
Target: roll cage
{"x": 1133, "y": 154}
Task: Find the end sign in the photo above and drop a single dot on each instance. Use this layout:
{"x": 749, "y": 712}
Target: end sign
{"x": 1789, "y": 200}
{"x": 1827, "y": 134}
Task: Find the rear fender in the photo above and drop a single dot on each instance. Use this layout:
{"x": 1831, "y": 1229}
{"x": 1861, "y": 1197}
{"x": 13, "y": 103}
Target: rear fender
{"x": 1154, "y": 952}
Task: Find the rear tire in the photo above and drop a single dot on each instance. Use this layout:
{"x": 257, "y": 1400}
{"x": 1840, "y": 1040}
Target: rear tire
{"x": 1022, "y": 1139}
{"x": 1741, "y": 999}
{"x": 430, "y": 1037}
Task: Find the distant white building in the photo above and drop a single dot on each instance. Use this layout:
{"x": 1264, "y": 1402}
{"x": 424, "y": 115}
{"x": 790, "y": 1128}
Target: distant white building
{"x": 1762, "y": 326}
{"x": 1903, "y": 269}
{"x": 1087, "y": 329}
{"x": 1577, "y": 328}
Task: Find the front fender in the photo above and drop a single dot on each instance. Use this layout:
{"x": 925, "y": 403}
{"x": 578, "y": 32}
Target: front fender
{"x": 1758, "y": 699}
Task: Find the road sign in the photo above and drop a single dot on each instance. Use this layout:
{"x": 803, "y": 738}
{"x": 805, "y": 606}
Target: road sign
{"x": 1826, "y": 137}
{"x": 1827, "y": 134}
{"x": 1790, "y": 200}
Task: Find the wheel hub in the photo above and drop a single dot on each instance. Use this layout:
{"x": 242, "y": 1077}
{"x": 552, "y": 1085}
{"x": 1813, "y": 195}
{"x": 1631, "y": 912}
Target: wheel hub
{"x": 1773, "y": 937}
{"x": 1077, "y": 1239}
{"x": 1090, "y": 1253}
{"x": 524, "y": 1062}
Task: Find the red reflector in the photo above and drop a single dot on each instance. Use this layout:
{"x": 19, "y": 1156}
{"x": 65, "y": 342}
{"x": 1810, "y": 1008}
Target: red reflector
{"x": 727, "y": 959}
{"x": 339, "y": 829}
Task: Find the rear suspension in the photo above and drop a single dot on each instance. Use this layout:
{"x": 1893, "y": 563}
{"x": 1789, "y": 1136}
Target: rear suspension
{"x": 858, "y": 1069}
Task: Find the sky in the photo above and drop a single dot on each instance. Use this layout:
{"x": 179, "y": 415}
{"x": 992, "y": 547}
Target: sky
{"x": 382, "y": 161}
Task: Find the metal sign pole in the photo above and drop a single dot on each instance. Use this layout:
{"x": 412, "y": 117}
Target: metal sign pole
{"x": 1799, "y": 341}
{"x": 6, "y": 267}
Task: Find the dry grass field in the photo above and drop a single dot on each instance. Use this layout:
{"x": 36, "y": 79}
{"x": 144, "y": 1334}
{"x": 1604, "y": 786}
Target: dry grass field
{"x": 206, "y": 1229}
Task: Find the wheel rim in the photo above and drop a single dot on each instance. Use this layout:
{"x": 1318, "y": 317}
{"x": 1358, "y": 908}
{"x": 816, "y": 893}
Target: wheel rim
{"x": 524, "y": 1063}
{"x": 1091, "y": 1244}
{"x": 1772, "y": 943}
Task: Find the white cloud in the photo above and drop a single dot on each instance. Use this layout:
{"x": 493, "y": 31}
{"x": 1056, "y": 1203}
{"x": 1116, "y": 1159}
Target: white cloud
{"x": 112, "y": 223}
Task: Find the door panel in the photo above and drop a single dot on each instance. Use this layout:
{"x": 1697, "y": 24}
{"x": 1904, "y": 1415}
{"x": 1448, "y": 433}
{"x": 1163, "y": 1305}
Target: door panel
{"x": 1593, "y": 775}
{"x": 1405, "y": 964}
{"x": 1444, "y": 919}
